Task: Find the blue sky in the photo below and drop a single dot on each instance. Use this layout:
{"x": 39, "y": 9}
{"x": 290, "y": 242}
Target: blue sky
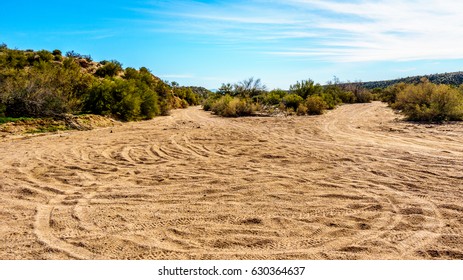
{"x": 207, "y": 43}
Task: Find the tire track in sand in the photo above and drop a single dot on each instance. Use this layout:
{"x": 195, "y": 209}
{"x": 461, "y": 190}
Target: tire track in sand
{"x": 193, "y": 185}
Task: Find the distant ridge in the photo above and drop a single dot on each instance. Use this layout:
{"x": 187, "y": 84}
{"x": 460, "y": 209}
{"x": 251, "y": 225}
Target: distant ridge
{"x": 453, "y": 78}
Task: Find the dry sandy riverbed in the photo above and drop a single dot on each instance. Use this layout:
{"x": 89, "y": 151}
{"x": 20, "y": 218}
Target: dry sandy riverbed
{"x": 355, "y": 183}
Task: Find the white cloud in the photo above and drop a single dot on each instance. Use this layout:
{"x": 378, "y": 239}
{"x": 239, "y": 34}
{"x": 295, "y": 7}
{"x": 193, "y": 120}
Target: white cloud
{"x": 339, "y": 31}
{"x": 389, "y": 30}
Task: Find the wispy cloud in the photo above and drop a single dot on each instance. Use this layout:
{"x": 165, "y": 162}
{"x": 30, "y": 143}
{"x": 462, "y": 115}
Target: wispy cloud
{"x": 391, "y": 30}
{"x": 339, "y": 31}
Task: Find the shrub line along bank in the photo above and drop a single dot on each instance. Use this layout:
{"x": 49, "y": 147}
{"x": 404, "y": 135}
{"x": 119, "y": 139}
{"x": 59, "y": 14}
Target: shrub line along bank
{"x": 48, "y": 84}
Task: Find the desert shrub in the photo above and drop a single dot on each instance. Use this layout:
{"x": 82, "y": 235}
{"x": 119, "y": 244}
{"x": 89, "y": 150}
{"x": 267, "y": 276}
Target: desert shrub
{"x": 124, "y": 99}
{"x": 272, "y": 98}
{"x": 149, "y": 107}
{"x": 207, "y": 104}
{"x": 187, "y": 96}
{"x": 127, "y": 101}
{"x": 2, "y": 109}
{"x": 228, "y": 106}
{"x": 292, "y": 101}
{"x": 43, "y": 90}
{"x": 184, "y": 104}
{"x": 248, "y": 88}
{"x": 100, "y": 98}
{"x": 15, "y": 59}
{"x": 165, "y": 94}
{"x": 73, "y": 54}
{"x": 109, "y": 69}
{"x": 57, "y": 52}
{"x": 225, "y": 89}
{"x": 346, "y": 97}
{"x": 220, "y": 105}
{"x": 430, "y": 102}
{"x": 363, "y": 96}
{"x": 43, "y": 55}
{"x": 241, "y": 107}
{"x": 389, "y": 94}
{"x": 175, "y": 102}
{"x": 301, "y": 110}
{"x": 306, "y": 88}
{"x": 315, "y": 105}
{"x": 87, "y": 57}
{"x": 33, "y": 85}
{"x": 330, "y": 98}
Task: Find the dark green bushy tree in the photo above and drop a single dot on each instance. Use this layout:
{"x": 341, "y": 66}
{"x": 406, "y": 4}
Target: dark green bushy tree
{"x": 109, "y": 69}
{"x": 306, "y": 88}
{"x": 292, "y": 100}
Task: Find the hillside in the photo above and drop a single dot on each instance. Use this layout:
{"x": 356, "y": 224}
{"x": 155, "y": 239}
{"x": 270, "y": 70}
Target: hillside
{"x": 454, "y": 78}
{"x": 49, "y": 84}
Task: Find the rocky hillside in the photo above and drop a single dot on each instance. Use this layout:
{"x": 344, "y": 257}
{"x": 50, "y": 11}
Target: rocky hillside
{"x": 454, "y": 78}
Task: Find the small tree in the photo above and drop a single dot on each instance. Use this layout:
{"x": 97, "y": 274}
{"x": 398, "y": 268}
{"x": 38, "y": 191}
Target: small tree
{"x": 109, "y": 69}
{"x": 225, "y": 89}
{"x": 73, "y": 54}
{"x": 306, "y": 88}
{"x": 249, "y": 88}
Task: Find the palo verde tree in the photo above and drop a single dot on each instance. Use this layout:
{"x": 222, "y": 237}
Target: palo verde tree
{"x": 249, "y": 88}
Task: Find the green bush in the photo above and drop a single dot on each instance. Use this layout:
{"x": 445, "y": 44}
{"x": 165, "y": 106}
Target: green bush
{"x": 346, "y": 97}
{"x": 220, "y": 106}
{"x": 100, "y": 98}
{"x": 389, "y": 94}
{"x": 207, "y": 104}
{"x": 301, "y": 110}
{"x": 228, "y": 106}
{"x": 272, "y": 98}
{"x": 124, "y": 99}
{"x": 330, "y": 98}
{"x": 57, "y": 52}
{"x": 43, "y": 90}
{"x": 306, "y": 88}
{"x": 15, "y": 59}
{"x": 363, "y": 96}
{"x": 109, "y": 69}
{"x": 315, "y": 105}
{"x": 429, "y": 102}
{"x": 33, "y": 85}
{"x": 73, "y": 54}
{"x": 292, "y": 101}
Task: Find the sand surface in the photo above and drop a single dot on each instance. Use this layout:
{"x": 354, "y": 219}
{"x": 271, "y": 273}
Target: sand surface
{"x": 355, "y": 183}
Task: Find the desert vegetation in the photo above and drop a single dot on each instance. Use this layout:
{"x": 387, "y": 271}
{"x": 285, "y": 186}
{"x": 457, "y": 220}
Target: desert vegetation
{"x": 48, "y": 84}
{"x": 35, "y": 84}
{"x": 303, "y": 98}
{"x": 425, "y": 101}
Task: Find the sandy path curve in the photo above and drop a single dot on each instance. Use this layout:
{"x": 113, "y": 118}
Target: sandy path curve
{"x": 355, "y": 183}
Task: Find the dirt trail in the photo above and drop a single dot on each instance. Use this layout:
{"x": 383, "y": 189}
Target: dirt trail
{"x": 355, "y": 183}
